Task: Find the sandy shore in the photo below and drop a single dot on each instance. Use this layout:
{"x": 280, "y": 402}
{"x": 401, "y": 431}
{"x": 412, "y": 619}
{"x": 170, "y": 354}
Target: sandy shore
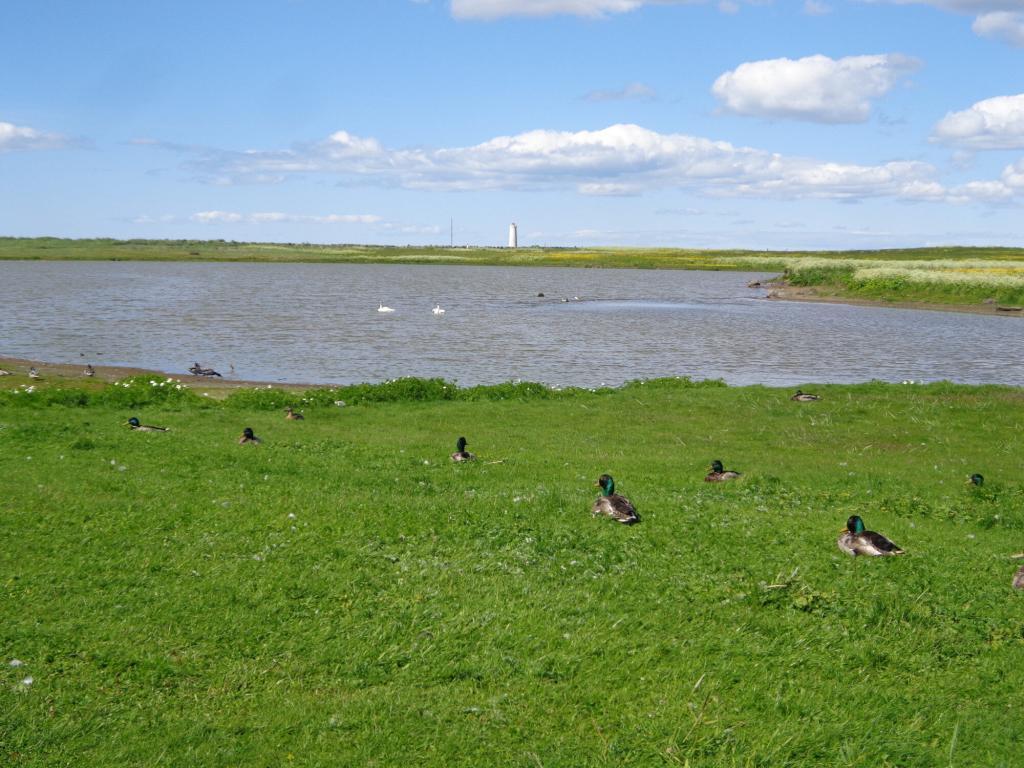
{"x": 74, "y": 373}
{"x": 780, "y": 292}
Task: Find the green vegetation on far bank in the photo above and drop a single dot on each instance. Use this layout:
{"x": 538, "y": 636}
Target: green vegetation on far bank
{"x": 343, "y": 594}
{"x": 968, "y": 280}
{"x": 942, "y": 275}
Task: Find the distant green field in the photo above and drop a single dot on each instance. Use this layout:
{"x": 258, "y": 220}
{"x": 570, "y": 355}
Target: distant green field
{"x": 950, "y": 275}
{"x": 343, "y": 594}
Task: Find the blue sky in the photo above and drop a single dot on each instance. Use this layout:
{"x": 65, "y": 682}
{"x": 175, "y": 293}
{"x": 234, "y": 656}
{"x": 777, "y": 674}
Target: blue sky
{"x": 764, "y": 124}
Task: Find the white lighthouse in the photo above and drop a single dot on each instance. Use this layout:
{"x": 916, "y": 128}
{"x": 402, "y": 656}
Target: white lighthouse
{"x": 513, "y": 240}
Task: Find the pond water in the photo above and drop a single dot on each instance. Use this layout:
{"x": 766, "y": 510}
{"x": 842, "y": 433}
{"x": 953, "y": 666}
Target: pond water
{"x": 319, "y": 323}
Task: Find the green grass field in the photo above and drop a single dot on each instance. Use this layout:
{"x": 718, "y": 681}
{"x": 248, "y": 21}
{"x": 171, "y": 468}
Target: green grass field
{"x": 343, "y": 594}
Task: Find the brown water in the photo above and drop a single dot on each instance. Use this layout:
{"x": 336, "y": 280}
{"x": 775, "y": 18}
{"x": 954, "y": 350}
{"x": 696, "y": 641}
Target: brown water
{"x": 319, "y": 323}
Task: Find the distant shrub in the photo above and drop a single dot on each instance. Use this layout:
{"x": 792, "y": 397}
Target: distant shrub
{"x": 260, "y": 398}
{"x": 404, "y": 390}
{"x": 673, "y": 382}
{"x": 30, "y": 397}
{"x": 511, "y": 390}
{"x": 138, "y": 391}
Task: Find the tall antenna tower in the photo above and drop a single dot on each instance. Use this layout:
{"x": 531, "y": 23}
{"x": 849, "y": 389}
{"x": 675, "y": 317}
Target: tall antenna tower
{"x": 451, "y": 232}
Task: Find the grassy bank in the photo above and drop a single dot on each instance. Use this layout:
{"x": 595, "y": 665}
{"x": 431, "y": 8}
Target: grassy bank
{"x": 343, "y": 594}
{"x": 950, "y": 281}
{"x": 950, "y": 275}
{"x": 219, "y": 250}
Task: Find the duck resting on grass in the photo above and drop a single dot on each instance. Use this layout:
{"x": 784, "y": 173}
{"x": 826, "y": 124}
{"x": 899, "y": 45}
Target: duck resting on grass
{"x": 461, "y": 454}
{"x": 717, "y": 473}
{"x": 804, "y": 397}
{"x": 857, "y": 541}
{"x": 139, "y": 427}
{"x": 1018, "y": 577}
{"x": 291, "y": 415}
{"x": 89, "y": 370}
{"x": 248, "y": 437}
{"x": 976, "y": 479}
{"x": 612, "y": 504}
{"x": 33, "y": 373}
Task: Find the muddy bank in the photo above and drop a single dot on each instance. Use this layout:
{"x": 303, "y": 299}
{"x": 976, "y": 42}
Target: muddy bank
{"x": 74, "y": 373}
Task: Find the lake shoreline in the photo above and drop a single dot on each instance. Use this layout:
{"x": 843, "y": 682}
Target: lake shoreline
{"x": 73, "y": 373}
{"x": 784, "y": 292}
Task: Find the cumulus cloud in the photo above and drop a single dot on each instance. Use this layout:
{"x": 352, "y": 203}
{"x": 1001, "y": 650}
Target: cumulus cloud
{"x": 996, "y": 123}
{"x": 633, "y": 91}
{"x": 815, "y": 88}
{"x": 962, "y": 6}
{"x": 15, "y": 138}
{"x": 229, "y": 217}
{"x": 494, "y": 9}
{"x": 816, "y": 8}
{"x": 618, "y": 160}
{"x": 1006, "y": 26}
{"x": 997, "y": 19}
{"x": 488, "y": 10}
{"x": 1008, "y": 188}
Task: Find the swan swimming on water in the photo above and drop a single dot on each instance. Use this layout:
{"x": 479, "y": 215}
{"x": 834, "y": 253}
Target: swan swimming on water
{"x": 437, "y": 310}
{"x": 382, "y": 308}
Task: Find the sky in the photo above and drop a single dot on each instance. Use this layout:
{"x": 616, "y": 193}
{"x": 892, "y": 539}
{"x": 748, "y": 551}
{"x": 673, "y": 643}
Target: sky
{"x": 765, "y": 124}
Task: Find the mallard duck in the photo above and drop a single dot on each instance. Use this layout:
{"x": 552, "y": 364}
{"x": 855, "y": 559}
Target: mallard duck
{"x": 291, "y": 415}
{"x": 89, "y": 370}
{"x": 437, "y": 310}
{"x": 613, "y": 504}
{"x": 857, "y": 541}
{"x": 976, "y": 479}
{"x": 33, "y": 373}
{"x": 248, "y": 437}
{"x": 139, "y": 427}
{"x": 461, "y": 454}
{"x": 718, "y": 473}
{"x": 1018, "y": 577}
{"x": 198, "y": 370}
{"x": 804, "y": 397}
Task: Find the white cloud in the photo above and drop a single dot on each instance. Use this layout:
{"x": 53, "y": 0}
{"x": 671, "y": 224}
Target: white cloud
{"x": 15, "y": 138}
{"x": 1009, "y": 187}
{"x": 617, "y": 160}
{"x": 494, "y": 9}
{"x": 1006, "y": 26}
{"x": 998, "y": 19}
{"x": 228, "y": 217}
{"x": 1013, "y": 176}
{"x": 815, "y": 88}
{"x": 963, "y": 6}
{"x": 488, "y": 10}
{"x": 633, "y": 91}
{"x": 816, "y": 8}
{"x": 996, "y": 123}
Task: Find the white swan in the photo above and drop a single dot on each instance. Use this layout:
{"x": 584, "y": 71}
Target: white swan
{"x": 382, "y": 308}
{"x": 437, "y": 310}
